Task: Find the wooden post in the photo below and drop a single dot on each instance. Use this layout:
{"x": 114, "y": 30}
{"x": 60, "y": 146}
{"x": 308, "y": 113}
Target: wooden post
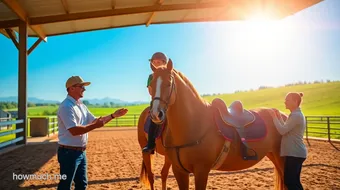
{"x": 22, "y": 82}
{"x": 329, "y": 129}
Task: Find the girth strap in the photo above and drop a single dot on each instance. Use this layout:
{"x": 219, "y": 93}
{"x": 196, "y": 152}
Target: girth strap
{"x": 197, "y": 142}
{"x": 179, "y": 160}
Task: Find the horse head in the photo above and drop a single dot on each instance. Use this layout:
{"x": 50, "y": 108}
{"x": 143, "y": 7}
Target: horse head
{"x": 163, "y": 87}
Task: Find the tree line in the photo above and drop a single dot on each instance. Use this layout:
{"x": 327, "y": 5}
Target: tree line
{"x": 12, "y": 105}
{"x": 267, "y": 87}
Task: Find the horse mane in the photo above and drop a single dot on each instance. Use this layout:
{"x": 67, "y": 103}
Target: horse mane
{"x": 189, "y": 84}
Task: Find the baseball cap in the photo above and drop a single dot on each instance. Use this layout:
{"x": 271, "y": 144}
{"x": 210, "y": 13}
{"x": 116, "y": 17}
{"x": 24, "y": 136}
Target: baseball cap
{"x": 76, "y": 80}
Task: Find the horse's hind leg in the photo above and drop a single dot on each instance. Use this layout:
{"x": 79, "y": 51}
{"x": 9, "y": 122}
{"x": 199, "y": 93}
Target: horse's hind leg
{"x": 181, "y": 178}
{"x": 165, "y": 172}
{"x": 278, "y": 170}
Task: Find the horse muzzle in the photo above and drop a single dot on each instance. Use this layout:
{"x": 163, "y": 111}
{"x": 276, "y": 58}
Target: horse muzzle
{"x": 158, "y": 117}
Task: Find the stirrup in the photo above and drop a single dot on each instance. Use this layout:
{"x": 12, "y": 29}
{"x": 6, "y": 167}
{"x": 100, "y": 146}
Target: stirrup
{"x": 246, "y": 157}
{"x": 244, "y": 151}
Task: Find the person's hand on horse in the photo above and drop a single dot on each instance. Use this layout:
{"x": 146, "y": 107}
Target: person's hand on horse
{"x": 272, "y": 113}
{"x": 120, "y": 112}
{"x": 277, "y": 113}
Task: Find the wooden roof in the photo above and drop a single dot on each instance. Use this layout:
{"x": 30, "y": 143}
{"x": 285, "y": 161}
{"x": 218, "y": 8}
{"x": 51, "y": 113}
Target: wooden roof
{"x": 56, "y": 17}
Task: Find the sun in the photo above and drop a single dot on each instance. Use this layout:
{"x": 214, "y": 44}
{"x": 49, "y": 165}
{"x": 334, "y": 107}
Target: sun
{"x": 261, "y": 31}
{"x": 263, "y": 36}
{"x": 259, "y": 43}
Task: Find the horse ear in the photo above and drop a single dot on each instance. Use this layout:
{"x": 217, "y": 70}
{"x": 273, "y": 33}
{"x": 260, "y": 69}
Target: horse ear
{"x": 153, "y": 68}
{"x": 169, "y": 66}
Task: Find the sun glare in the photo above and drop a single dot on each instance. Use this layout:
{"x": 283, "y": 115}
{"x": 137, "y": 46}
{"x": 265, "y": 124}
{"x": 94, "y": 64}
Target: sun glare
{"x": 259, "y": 44}
{"x": 263, "y": 36}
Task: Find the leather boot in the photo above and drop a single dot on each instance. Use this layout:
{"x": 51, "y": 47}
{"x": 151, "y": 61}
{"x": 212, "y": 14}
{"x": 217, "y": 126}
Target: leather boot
{"x": 150, "y": 147}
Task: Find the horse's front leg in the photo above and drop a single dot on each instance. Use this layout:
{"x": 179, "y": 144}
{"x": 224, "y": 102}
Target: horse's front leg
{"x": 182, "y": 178}
{"x": 165, "y": 171}
{"x": 201, "y": 178}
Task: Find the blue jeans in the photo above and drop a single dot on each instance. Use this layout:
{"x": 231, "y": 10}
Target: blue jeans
{"x": 73, "y": 164}
{"x": 292, "y": 171}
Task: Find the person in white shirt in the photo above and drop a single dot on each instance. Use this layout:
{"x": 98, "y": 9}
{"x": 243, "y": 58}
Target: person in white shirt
{"x": 293, "y": 148}
{"x": 74, "y": 122}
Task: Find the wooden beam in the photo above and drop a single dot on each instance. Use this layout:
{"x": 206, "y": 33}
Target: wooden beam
{"x": 9, "y": 23}
{"x": 124, "y": 11}
{"x": 187, "y": 13}
{"x": 21, "y": 13}
{"x": 16, "y": 8}
{"x": 3, "y": 32}
{"x": 39, "y": 31}
{"x": 34, "y": 46}
{"x": 22, "y": 82}
{"x": 113, "y": 4}
{"x": 13, "y": 37}
{"x": 65, "y": 5}
{"x": 160, "y": 2}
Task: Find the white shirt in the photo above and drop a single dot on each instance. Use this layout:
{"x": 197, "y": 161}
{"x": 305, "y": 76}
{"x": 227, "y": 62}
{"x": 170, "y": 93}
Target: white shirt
{"x": 73, "y": 113}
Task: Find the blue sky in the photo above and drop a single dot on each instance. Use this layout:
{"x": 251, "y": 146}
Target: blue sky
{"x": 217, "y": 57}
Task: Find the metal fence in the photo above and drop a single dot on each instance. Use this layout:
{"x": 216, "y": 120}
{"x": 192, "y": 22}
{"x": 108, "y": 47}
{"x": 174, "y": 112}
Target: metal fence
{"x": 129, "y": 120}
{"x": 323, "y": 126}
{"x": 4, "y": 127}
{"x": 317, "y": 126}
{"x": 52, "y": 125}
{"x": 10, "y": 135}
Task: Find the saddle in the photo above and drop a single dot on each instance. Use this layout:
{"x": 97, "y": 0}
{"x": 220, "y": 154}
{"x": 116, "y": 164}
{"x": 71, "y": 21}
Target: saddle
{"x": 234, "y": 115}
{"x": 239, "y": 119}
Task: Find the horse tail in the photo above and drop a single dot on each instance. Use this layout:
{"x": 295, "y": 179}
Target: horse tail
{"x": 144, "y": 174}
{"x": 278, "y": 181}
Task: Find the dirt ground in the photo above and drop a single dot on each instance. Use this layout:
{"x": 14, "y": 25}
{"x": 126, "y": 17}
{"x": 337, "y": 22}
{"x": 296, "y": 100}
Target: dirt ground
{"x": 114, "y": 161}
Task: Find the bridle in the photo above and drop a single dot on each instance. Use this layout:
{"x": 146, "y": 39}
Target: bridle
{"x": 166, "y": 102}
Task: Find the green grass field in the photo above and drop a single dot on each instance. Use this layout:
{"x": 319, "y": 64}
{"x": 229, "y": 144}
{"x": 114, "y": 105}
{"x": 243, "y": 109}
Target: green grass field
{"x": 319, "y": 99}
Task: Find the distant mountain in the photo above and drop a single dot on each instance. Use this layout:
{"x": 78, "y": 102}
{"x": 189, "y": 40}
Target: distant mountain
{"x": 92, "y": 101}
{"x": 105, "y": 100}
{"x": 115, "y": 101}
{"x": 30, "y": 99}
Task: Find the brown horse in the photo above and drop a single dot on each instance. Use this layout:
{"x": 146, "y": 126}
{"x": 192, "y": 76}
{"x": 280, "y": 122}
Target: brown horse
{"x": 201, "y": 136}
{"x": 147, "y": 175}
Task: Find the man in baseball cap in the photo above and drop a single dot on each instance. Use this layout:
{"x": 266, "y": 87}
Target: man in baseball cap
{"x": 74, "y": 122}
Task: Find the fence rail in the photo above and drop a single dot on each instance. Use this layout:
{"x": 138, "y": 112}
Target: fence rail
{"x": 8, "y": 136}
{"x": 52, "y": 126}
{"x": 317, "y": 126}
{"x": 4, "y": 126}
{"x": 323, "y": 126}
